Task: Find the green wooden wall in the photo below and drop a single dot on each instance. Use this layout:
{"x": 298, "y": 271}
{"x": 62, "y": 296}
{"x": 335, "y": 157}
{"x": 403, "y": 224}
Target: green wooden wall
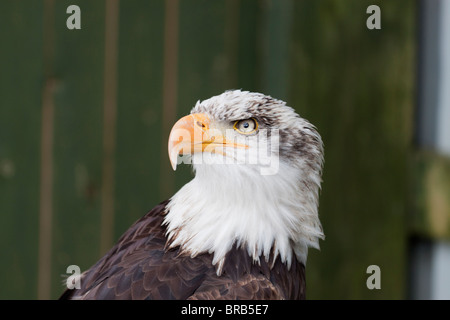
{"x": 85, "y": 114}
{"x": 357, "y": 86}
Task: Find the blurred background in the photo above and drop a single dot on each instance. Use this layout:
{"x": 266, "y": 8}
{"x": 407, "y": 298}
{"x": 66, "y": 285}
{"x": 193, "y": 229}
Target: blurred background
{"x": 85, "y": 116}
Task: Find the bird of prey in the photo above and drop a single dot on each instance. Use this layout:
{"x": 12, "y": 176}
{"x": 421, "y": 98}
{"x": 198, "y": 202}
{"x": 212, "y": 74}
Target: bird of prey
{"x": 241, "y": 228}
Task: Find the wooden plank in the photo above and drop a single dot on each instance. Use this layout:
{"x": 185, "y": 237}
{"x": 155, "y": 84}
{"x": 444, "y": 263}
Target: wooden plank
{"x": 249, "y": 46}
{"x": 109, "y": 125}
{"x": 356, "y": 86}
{"x": 20, "y": 131}
{"x": 430, "y": 197}
{"x": 170, "y": 90}
{"x": 202, "y": 60}
{"x": 78, "y": 70}
{"x": 139, "y": 138}
{"x": 276, "y": 17}
{"x": 46, "y": 161}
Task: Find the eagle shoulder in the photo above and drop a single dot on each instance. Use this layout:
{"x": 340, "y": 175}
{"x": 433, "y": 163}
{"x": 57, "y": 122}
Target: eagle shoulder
{"x": 140, "y": 266}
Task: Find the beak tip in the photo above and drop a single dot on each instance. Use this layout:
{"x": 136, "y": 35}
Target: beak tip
{"x": 173, "y": 157}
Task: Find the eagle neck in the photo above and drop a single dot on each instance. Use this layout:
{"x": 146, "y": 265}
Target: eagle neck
{"x": 229, "y": 205}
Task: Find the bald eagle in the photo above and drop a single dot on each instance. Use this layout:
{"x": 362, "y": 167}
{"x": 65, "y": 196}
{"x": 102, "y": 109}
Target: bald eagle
{"x": 242, "y": 227}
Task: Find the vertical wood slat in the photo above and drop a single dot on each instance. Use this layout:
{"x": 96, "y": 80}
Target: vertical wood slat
{"x": 231, "y": 37}
{"x": 274, "y": 45}
{"x": 46, "y": 180}
{"x": 249, "y": 54}
{"x": 46, "y": 194}
{"x": 77, "y": 158}
{"x": 139, "y": 111}
{"x": 202, "y": 65}
{"x": 109, "y": 123}
{"x": 21, "y": 70}
{"x": 170, "y": 89}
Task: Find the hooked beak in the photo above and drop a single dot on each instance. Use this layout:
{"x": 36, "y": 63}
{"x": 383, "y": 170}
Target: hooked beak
{"x": 192, "y": 134}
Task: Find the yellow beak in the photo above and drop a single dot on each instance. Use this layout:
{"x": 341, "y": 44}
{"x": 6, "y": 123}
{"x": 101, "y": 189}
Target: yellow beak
{"x": 192, "y": 134}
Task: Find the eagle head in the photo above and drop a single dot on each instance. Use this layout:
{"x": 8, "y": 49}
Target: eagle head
{"x": 258, "y": 168}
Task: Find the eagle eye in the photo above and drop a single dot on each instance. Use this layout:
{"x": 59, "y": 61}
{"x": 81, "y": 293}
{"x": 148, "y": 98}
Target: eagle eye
{"x": 246, "y": 126}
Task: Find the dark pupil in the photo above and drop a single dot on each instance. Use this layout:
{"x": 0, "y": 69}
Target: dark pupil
{"x": 246, "y": 125}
